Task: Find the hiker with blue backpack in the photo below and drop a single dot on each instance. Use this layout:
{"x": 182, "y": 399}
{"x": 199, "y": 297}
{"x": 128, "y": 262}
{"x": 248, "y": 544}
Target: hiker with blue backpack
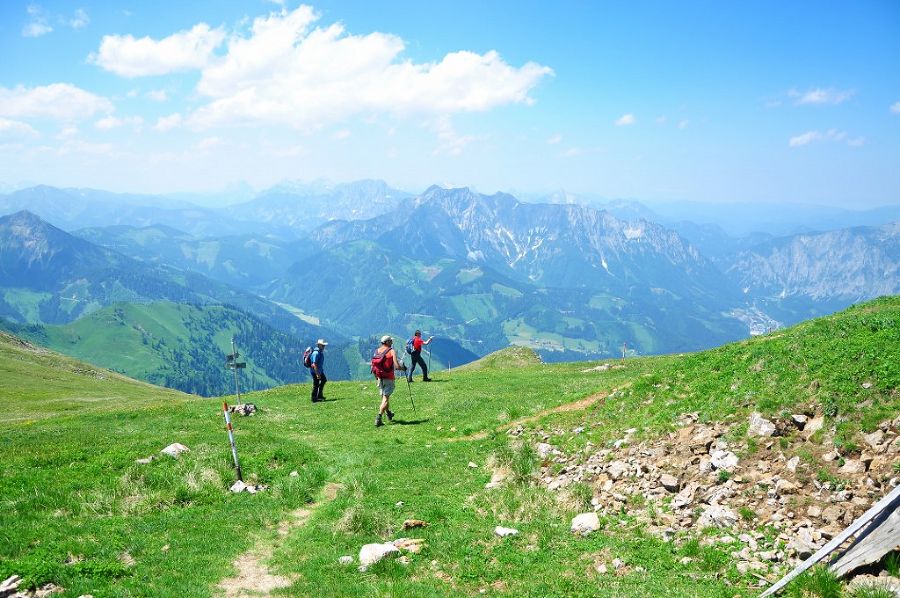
{"x": 314, "y": 359}
{"x": 384, "y": 362}
{"x": 414, "y": 348}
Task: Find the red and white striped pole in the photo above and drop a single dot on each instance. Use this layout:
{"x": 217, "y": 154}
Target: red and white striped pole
{"x": 228, "y": 427}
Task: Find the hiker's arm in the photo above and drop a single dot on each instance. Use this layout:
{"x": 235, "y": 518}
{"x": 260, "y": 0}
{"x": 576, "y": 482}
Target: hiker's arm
{"x": 428, "y": 342}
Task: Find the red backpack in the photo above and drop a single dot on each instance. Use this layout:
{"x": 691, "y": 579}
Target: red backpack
{"x": 382, "y": 365}
{"x": 307, "y": 357}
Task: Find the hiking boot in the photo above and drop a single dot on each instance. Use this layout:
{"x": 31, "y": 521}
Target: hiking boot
{"x": 390, "y": 415}
{"x": 378, "y": 422}
{"x": 426, "y": 379}
{"x": 316, "y": 400}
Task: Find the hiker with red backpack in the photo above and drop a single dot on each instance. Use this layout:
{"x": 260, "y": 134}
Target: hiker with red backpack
{"x": 414, "y": 348}
{"x": 314, "y": 359}
{"x": 384, "y": 361}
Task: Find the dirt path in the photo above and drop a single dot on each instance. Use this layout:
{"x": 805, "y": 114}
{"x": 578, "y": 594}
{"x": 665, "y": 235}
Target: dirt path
{"x": 253, "y": 577}
{"x": 574, "y": 406}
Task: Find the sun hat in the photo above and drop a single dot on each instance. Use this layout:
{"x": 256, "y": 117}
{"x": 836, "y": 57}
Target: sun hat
{"x": 322, "y": 342}
{"x": 386, "y": 339}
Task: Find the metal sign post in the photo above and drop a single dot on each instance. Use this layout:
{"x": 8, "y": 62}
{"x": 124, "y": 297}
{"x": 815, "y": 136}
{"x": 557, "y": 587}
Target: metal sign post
{"x": 237, "y": 465}
{"x": 232, "y": 363}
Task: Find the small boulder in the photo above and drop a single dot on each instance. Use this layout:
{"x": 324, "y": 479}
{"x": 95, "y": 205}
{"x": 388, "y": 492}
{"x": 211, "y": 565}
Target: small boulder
{"x": 783, "y": 487}
{"x": 875, "y": 439}
{"x": 585, "y": 523}
{"x": 411, "y": 523}
{"x": 175, "y": 449}
{"x": 760, "y": 426}
{"x": 792, "y": 464}
{"x": 413, "y": 545}
{"x": 145, "y": 460}
{"x": 473, "y": 465}
{"x": 799, "y": 420}
{"x": 669, "y": 482}
{"x": 617, "y": 469}
{"x": 852, "y": 467}
{"x": 505, "y": 531}
{"x": 373, "y": 553}
{"x": 717, "y": 516}
{"x": 346, "y": 560}
{"x": 725, "y": 460}
{"x": 544, "y": 450}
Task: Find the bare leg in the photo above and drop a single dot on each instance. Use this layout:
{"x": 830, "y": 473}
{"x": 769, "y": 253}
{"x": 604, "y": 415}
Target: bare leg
{"x": 384, "y": 404}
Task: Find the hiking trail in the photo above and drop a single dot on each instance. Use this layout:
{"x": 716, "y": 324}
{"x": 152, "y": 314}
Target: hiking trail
{"x": 253, "y": 577}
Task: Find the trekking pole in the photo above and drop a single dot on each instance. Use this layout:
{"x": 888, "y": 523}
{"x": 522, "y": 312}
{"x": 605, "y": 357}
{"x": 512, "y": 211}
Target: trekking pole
{"x": 228, "y": 427}
{"x": 429, "y": 359}
{"x": 409, "y": 388}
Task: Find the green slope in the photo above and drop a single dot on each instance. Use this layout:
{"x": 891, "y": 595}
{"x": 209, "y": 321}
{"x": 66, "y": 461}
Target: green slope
{"x": 182, "y": 346}
{"x": 183, "y": 529}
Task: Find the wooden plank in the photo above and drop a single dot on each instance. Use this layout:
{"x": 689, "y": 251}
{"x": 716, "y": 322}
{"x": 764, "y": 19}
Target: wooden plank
{"x": 869, "y": 549}
{"x": 892, "y": 500}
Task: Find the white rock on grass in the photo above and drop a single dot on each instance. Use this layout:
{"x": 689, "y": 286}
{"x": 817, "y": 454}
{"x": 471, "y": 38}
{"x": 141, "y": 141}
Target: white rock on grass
{"x": 585, "y": 523}
{"x": 373, "y": 553}
{"x": 473, "y": 465}
{"x": 505, "y": 531}
{"x": 544, "y": 450}
{"x": 669, "y": 482}
{"x": 238, "y": 487}
{"x": 346, "y": 560}
{"x": 792, "y": 463}
{"x": 175, "y": 449}
{"x": 760, "y": 426}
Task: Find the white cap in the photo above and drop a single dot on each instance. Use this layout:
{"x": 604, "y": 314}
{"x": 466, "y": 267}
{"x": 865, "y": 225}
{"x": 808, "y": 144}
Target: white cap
{"x": 322, "y": 342}
{"x": 386, "y": 339}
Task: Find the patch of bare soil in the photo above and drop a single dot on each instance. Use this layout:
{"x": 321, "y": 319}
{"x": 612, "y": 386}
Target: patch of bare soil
{"x": 253, "y": 577}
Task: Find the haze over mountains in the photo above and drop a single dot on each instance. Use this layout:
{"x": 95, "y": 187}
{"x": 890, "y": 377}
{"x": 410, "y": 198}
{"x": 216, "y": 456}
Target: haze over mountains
{"x": 480, "y": 272}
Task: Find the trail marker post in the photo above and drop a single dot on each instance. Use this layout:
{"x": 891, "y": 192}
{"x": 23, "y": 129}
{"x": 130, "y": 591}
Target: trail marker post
{"x": 234, "y": 365}
{"x": 237, "y": 464}
{"x": 624, "y": 349}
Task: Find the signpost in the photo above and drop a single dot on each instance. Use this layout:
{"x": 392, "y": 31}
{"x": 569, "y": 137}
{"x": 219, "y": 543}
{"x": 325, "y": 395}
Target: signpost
{"x": 234, "y": 365}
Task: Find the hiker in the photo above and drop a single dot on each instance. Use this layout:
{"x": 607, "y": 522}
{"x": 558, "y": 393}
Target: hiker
{"x": 317, "y": 370}
{"x": 414, "y": 348}
{"x": 384, "y": 361}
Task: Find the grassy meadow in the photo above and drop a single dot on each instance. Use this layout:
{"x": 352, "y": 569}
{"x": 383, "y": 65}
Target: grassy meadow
{"x": 78, "y": 510}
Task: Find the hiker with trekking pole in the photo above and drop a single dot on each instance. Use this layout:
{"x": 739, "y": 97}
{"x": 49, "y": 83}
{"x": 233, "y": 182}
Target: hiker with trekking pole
{"x": 414, "y": 349}
{"x": 384, "y": 361}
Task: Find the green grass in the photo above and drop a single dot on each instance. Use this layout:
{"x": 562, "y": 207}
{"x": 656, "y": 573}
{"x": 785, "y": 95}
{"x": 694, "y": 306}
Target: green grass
{"x": 75, "y": 502}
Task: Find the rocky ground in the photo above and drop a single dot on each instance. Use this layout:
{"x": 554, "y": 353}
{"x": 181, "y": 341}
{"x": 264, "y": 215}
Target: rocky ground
{"x": 774, "y": 494}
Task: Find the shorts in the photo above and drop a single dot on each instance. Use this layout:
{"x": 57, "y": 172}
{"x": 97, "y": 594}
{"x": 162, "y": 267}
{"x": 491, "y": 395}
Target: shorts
{"x": 386, "y": 386}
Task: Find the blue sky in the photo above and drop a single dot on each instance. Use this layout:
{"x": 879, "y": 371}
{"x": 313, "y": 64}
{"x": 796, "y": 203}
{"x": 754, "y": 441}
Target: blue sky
{"x": 707, "y": 101}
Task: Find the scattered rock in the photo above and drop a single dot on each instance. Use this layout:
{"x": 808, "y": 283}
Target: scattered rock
{"x": 145, "y": 460}
{"x": 852, "y": 467}
{"x": 601, "y": 568}
{"x": 175, "y": 449}
{"x": 717, "y": 516}
{"x": 398, "y": 504}
{"x": 473, "y": 465}
{"x": 875, "y": 439}
{"x": 618, "y": 564}
{"x": 373, "y": 553}
{"x": 544, "y": 450}
{"x": 760, "y": 426}
{"x": 725, "y": 460}
{"x": 346, "y": 560}
{"x": 505, "y": 531}
{"x": 617, "y": 469}
{"x": 784, "y": 486}
{"x": 413, "y": 545}
{"x": 10, "y": 585}
{"x": 832, "y": 514}
{"x": 240, "y": 486}
{"x": 669, "y": 482}
{"x": 799, "y": 420}
{"x": 887, "y": 584}
{"x": 294, "y": 474}
{"x": 813, "y": 426}
{"x": 867, "y": 385}
{"x": 585, "y": 523}
{"x": 245, "y": 409}
{"x": 411, "y": 523}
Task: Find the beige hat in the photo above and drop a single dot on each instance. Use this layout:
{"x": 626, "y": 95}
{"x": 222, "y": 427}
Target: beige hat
{"x": 386, "y": 339}
{"x": 322, "y": 342}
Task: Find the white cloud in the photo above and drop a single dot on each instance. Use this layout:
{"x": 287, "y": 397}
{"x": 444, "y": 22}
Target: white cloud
{"x": 342, "y": 134}
{"x": 13, "y": 128}
{"x": 683, "y": 124}
{"x": 207, "y": 143}
{"x": 624, "y": 120}
{"x": 127, "y": 56}
{"x": 821, "y": 96}
{"x": 67, "y": 132}
{"x": 287, "y": 72}
{"x": 158, "y": 95}
{"x": 36, "y": 29}
{"x": 60, "y": 101}
{"x": 832, "y": 135}
{"x": 79, "y": 19}
{"x": 38, "y": 25}
{"x": 112, "y": 122}
{"x": 661, "y": 120}
{"x": 449, "y": 141}
{"x": 554, "y": 139}
{"x": 167, "y": 123}
{"x": 574, "y": 151}
{"x": 895, "y": 108}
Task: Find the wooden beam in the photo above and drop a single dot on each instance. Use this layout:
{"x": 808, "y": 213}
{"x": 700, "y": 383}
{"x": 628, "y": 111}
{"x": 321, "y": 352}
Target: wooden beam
{"x": 892, "y": 501}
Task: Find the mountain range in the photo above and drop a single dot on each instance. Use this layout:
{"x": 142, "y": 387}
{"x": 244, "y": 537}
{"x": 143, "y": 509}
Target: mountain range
{"x": 479, "y": 271}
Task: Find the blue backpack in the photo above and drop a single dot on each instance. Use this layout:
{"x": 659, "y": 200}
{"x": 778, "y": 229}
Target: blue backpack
{"x": 410, "y": 346}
